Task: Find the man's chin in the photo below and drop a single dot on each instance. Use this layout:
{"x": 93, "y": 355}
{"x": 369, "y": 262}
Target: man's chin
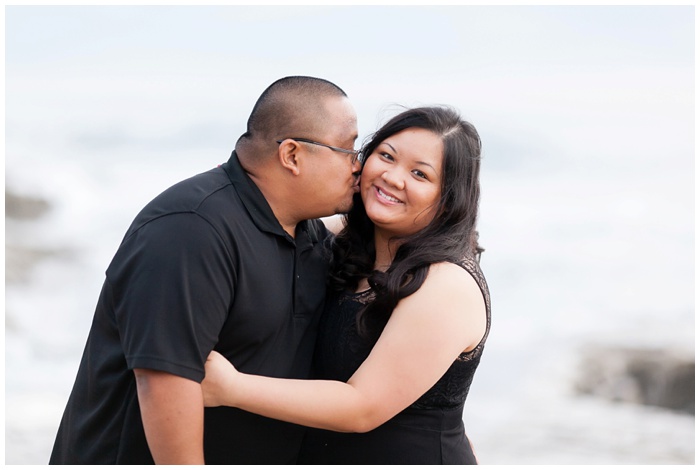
{"x": 343, "y": 210}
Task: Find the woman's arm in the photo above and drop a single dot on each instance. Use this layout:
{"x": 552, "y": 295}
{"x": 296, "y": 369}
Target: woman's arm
{"x": 424, "y": 336}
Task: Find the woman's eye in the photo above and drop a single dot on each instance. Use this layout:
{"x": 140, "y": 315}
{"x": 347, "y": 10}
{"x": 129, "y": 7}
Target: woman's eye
{"x": 386, "y": 156}
{"x": 420, "y": 174}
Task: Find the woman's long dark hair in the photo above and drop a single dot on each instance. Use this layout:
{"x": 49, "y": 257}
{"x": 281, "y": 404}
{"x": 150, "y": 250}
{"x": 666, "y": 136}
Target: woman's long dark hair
{"x": 450, "y": 236}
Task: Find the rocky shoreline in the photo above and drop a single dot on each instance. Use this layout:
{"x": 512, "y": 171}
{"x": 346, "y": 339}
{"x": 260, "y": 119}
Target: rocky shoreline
{"x": 653, "y": 377}
{"x": 24, "y": 207}
{"x": 21, "y": 255}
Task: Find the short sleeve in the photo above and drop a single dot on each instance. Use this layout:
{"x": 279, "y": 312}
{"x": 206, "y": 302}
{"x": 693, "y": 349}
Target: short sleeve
{"x": 172, "y": 284}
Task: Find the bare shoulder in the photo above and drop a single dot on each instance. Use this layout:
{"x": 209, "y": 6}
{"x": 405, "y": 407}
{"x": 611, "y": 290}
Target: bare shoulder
{"x": 449, "y": 276}
{"x": 451, "y": 299}
{"x": 448, "y": 284}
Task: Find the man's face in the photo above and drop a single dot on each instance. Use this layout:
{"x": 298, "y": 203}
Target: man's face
{"x": 335, "y": 175}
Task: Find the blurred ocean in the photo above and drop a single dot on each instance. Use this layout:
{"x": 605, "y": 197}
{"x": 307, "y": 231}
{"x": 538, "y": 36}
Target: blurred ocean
{"x": 587, "y": 211}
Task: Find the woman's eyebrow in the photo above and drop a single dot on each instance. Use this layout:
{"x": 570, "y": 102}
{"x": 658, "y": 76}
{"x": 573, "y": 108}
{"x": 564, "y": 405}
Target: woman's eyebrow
{"x": 427, "y": 164}
{"x": 389, "y": 145}
{"x": 418, "y": 162}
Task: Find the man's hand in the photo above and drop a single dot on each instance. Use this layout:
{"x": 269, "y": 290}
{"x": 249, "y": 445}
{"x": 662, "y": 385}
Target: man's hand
{"x": 172, "y": 410}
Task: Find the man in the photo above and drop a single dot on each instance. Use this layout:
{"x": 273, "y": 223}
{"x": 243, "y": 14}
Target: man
{"x": 232, "y": 260}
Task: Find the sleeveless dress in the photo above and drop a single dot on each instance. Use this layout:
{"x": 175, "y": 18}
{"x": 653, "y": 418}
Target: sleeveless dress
{"x": 430, "y": 431}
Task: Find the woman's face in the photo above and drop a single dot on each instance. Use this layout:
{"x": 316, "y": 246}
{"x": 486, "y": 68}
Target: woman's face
{"x": 401, "y": 181}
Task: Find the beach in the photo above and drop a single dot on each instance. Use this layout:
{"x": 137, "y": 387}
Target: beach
{"x": 587, "y": 210}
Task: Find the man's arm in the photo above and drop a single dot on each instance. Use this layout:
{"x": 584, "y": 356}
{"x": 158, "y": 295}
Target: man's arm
{"x": 172, "y": 410}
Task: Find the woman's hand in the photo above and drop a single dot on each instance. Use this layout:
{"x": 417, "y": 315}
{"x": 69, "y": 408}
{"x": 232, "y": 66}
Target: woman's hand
{"x": 219, "y": 381}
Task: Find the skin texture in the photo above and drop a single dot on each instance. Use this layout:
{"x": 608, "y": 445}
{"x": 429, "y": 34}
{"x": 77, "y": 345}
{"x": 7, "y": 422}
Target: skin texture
{"x": 329, "y": 176}
{"x": 425, "y": 333}
{"x": 173, "y": 417}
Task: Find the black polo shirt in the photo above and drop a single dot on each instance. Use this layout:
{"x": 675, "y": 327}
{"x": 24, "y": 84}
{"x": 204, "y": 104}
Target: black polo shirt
{"x": 205, "y": 265}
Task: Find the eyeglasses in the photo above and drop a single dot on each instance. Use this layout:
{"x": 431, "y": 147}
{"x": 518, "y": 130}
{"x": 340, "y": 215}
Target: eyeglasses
{"x": 355, "y": 153}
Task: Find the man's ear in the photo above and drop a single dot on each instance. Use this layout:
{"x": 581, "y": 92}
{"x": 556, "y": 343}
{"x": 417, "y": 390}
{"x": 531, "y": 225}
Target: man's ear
{"x": 288, "y": 155}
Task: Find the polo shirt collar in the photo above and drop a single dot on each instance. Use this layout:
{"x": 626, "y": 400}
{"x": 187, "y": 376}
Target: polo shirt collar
{"x": 254, "y": 200}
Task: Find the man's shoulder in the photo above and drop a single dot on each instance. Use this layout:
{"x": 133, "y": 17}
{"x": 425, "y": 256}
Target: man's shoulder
{"x": 207, "y": 195}
{"x": 193, "y": 192}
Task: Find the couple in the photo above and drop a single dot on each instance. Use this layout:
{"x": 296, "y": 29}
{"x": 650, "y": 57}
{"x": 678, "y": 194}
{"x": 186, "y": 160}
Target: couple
{"x": 236, "y": 261}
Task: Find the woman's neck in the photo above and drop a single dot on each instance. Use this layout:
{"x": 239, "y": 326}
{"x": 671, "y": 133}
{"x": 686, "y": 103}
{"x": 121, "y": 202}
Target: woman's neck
{"x": 384, "y": 255}
{"x": 385, "y": 250}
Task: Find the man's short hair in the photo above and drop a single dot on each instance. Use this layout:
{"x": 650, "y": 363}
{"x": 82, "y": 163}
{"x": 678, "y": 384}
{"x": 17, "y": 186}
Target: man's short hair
{"x": 289, "y": 106}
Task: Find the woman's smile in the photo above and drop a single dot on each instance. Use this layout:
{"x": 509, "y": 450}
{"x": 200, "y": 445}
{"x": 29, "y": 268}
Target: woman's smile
{"x": 385, "y": 195}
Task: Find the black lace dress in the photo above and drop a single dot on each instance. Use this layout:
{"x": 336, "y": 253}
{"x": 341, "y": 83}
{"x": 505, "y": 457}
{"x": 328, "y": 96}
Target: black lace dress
{"x": 430, "y": 431}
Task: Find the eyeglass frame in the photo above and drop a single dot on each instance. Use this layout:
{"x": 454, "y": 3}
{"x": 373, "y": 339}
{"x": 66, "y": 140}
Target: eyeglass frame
{"x": 355, "y": 153}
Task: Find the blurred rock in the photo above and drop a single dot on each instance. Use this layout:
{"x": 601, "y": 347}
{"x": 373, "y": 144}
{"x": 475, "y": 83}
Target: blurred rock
{"x": 19, "y": 261}
{"x": 24, "y": 207}
{"x": 21, "y": 256}
{"x": 654, "y": 377}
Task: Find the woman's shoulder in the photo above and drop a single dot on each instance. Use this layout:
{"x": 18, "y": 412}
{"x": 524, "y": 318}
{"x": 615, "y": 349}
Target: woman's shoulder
{"x": 460, "y": 278}
{"x": 450, "y": 278}
{"x": 452, "y": 297}
{"x": 458, "y": 270}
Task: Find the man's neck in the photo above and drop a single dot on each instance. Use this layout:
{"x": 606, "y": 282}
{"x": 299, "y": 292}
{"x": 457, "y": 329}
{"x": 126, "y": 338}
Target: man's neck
{"x": 277, "y": 201}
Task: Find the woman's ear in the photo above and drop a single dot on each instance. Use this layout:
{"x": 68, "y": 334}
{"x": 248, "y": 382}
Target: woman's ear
{"x": 288, "y": 155}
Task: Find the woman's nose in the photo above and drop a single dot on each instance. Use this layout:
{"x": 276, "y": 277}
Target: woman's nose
{"x": 393, "y": 178}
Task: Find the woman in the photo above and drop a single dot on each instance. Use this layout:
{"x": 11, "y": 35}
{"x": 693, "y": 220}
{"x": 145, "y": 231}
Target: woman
{"x": 407, "y": 314}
